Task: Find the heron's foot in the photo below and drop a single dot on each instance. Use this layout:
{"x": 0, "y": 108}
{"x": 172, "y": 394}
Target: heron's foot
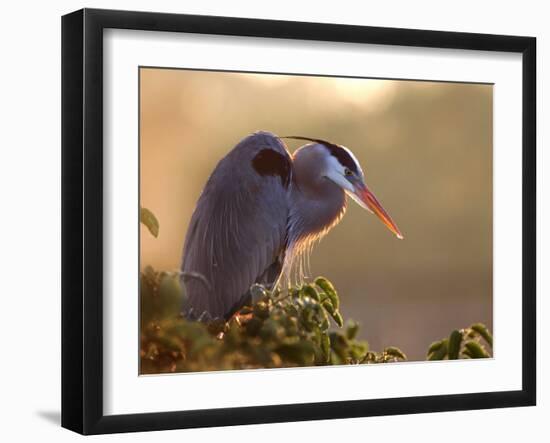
{"x": 256, "y": 293}
{"x": 203, "y": 317}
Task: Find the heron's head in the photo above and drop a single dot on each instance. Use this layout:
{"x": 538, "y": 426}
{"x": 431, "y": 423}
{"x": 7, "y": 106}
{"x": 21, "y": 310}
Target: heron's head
{"x": 343, "y": 169}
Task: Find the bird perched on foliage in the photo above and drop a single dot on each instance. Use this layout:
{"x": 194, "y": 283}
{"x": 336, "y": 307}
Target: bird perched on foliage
{"x": 260, "y": 213}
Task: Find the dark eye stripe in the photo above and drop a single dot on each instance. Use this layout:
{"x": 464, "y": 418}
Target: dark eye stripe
{"x": 336, "y": 151}
{"x": 343, "y": 157}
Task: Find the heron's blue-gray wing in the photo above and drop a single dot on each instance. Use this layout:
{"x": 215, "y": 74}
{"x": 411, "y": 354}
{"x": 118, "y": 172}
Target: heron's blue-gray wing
{"x": 237, "y": 232}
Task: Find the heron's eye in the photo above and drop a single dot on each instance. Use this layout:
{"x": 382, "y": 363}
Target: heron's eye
{"x": 348, "y": 172}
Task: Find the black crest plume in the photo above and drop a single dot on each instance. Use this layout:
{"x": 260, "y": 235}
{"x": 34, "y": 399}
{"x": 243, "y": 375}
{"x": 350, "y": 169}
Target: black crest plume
{"x": 341, "y": 154}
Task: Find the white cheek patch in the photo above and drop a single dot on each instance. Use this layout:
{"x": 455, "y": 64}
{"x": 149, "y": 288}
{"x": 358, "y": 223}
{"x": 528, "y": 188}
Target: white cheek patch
{"x": 335, "y": 172}
{"x": 334, "y": 165}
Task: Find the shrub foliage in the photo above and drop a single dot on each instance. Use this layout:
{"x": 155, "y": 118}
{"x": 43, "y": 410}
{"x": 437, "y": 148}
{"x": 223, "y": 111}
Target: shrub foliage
{"x": 470, "y": 342}
{"x": 301, "y": 326}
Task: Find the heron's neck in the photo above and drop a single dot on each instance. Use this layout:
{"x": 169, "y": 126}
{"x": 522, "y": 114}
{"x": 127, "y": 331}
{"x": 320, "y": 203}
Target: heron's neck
{"x": 317, "y": 205}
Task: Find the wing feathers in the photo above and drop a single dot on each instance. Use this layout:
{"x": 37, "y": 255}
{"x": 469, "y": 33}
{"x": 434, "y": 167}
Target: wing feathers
{"x": 238, "y": 226}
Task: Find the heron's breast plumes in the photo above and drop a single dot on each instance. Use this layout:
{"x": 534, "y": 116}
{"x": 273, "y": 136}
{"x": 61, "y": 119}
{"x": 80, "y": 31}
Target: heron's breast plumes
{"x": 308, "y": 224}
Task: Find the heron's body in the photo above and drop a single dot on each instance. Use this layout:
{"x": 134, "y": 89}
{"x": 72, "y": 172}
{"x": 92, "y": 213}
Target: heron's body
{"x": 260, "y": 209}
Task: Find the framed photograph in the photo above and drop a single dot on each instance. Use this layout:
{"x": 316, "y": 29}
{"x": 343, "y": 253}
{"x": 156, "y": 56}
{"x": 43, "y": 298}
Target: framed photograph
{"x": 269, "y": 221}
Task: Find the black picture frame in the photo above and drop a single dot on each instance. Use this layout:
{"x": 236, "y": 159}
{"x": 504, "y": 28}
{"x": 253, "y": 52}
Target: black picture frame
{"x": 82, "y": 220}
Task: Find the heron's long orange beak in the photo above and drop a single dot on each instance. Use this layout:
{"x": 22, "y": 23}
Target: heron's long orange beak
{"x": 369, "y": 201}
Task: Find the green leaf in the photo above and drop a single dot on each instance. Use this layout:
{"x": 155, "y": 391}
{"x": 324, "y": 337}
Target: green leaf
{"x": 311, "y": 292}
{"x": 147, "y": 300}
{"x": 253, "y": 326}
{"x": 200, "y": 343}
{"x": 325, "y": 346}
{"x": 475, "y": 350}
{"x": 302, "y": 352}
{"x": 395, "y": 352}
{"x": 352, "y": 329}
{"x": 271, "y": 330}
{"x": 323, "y": 323}
{"x": 329, "y": 290}
{"x": 336, "y": 316}
{"x": 482, "y": 330}
{"x": 170, "y": 295}
{"x": 440, "y": 352}
{"x": 338, "y": 319}
{"x": 149, "y": 220}
{"x": 435, "y": 346}
{"x": 455, "y": 340}
{"x": 328, "y": 307}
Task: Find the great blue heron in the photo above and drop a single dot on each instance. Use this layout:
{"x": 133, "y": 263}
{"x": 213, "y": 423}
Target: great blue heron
{"x": 260, "y": 210}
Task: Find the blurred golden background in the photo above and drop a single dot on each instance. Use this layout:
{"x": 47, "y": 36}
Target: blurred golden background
{"x": 425, "y": 148}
